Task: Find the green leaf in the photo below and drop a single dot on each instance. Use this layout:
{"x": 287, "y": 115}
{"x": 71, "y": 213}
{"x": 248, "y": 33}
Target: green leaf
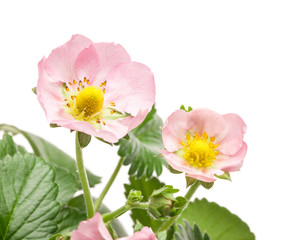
{"x": 142, "y": 151}
{"x": 146, "y": 187}
{"x": 218, "y": 222}
{"x": 78, "y": 203}
{"x": 66, "y": 181}
{"x": 27, "y": 198}
{"x": 189, "y": 233}
{"x": 7, "y": 146}
{"x": 67, "y": 185}
{"x": 84, "y": 139}
{"x": 68, "y": 219}
{"x": 51, "y": 153}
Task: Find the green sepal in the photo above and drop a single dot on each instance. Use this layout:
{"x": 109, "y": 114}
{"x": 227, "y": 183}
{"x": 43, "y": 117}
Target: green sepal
{"x": 34, "y": 90}
{"x": 101, "y": 140}
{"x": 182, "y": 107}
{"x": 207, "y": 185}
{"x": 225, "y": 176}
{"x": 54, "y": 125}
{"x": 83, "y": 139}
{"x": 190, "y": 181}
{"x": 172, "y": 170}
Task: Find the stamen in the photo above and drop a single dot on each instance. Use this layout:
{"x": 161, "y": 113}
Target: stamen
{"x": 103, "y": 123}
{"x": 112, "y": 111}
{"x": 74, "y": 82}
{"x": 80, "y": 83}
{"x": 67, "y": 89}
{"x": 78, "y": 89}
{"x": 85, "y": 79}
{"x": 103, "y": 84}
{"x": 112, "y": 104}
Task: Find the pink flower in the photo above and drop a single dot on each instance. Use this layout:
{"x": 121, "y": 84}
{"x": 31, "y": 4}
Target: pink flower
{"x": 203, "y": 143}
{"x": 145, "y": 234}
{"x": 95, "y": 88}
{"x": 92, "y": 229}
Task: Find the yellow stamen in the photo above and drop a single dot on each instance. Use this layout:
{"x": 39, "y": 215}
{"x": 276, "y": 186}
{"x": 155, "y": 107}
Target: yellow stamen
{"x": 90, "y": 100}
{"x": 200, "y": 152}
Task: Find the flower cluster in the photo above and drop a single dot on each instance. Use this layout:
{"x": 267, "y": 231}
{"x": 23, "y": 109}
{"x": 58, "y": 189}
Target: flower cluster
{"x": 95, "y": 89}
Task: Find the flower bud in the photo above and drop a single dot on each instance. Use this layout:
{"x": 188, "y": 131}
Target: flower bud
{"x": 162, "y": 204}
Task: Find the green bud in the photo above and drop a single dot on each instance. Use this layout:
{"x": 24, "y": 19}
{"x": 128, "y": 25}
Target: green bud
{"x": 135, "y": 196}
{"x": 162, "y": 204}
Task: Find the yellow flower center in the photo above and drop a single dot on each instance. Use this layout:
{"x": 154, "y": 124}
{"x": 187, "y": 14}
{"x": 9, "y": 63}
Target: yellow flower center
{"x": 85, "y": 103}
{"x": 90, "y": 100}
{"x": 199, "y": 151}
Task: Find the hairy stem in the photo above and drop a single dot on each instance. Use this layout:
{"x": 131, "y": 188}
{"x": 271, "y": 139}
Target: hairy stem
{"x": 83, "y": 178}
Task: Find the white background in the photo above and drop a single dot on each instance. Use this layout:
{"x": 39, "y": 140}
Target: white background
{"x": 229, "y": 56}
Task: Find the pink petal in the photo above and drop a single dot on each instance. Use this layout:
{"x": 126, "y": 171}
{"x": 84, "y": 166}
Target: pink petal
{"x": 109, "y": 56}
{"x": 145, "y": 234}
{"x": 202, "y": 177}
{"x": 131, "y": 87}
{"x": 60, "y": 63}
{"x": 50, "y": 95}
{"x": 231, "y": 139}
{"x": 233, "y": 162}
{"x": 87, "y": 64}
{"x": 175, "y": 130}
{"x": 203, "y": 120}
{"x": 93, "y": 229}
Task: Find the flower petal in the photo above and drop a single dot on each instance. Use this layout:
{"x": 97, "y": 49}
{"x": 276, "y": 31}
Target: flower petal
{"x": 60, "y": 63}
{"x": 50, "y": 95}
{"x": 231, "y": 139}
{"x": 93, "y": 229}
{"x": 233, "y": 162}
{"x": 109, "y": 56}
{"x": 175, "y": 130}
{"x": 131, "y": 87}
{"x": 145, "y": 234}
{"x": 87, "y": 64}
{"x": 204, "y": 120}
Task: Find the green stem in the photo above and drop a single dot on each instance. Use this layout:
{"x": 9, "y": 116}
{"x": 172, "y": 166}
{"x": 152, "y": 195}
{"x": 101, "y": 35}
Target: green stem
{"x": 83, "y": 178}
{"x": 111, "y": 216}
{"x": 108, "y": 185}
{"x": 188, "y": 196}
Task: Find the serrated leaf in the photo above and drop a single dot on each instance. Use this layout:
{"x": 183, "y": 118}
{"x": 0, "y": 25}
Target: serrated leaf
{"x": 186, "y": 232}
{"x": 7, "y": 146}
{"x": 66, "y": 181}
{"x": 67, "y": 185}
{"x": 143, "y": 148}
{"x": 51, "y": 153}
{"x": 146, "y": 187}
{"x": 27, "y": 198}
{"x": 218, "y": 222}
{"x": 68, "y": 219}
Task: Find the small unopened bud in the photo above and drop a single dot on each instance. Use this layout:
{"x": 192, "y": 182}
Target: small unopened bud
{"x": 162, "y": 204}
{"x": 135, "y": 196}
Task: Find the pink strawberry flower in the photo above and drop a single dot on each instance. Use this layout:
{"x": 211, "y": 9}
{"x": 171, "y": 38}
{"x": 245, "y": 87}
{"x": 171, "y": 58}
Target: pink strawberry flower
{"x": 203, "y": 143}
{"x": 145, "y": 234}
{"x": 92, "y": 229}
{"x": 95, "y": 88}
